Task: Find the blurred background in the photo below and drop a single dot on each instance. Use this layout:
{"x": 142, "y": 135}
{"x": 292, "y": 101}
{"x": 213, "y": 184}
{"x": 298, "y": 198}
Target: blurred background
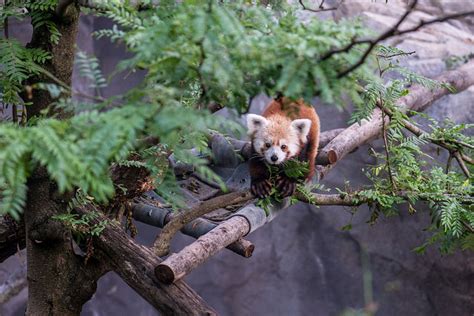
{"x": 303, "y": 261}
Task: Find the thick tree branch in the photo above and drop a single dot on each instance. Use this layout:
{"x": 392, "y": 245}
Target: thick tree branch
{"x": 134, "y": 263}
{"x": 180, "y": 264}
{"x": 418, "y": 99}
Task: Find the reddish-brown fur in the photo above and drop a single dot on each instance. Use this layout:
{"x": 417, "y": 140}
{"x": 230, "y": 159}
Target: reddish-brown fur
{"x": 291, "y": 110}
{"x": 299, "y": 110}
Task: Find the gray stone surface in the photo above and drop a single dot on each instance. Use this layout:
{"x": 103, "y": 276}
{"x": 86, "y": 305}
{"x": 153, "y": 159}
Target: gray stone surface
{"x": 303, "y": 263}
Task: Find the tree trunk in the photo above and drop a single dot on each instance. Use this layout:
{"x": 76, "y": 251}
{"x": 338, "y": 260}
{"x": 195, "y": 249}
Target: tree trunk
{"x": 59, "y": 283}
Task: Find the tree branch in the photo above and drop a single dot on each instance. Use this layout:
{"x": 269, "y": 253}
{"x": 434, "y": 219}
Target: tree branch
{"x": 134, "y": 263}
{"x": 242, "y": 223}
{"x": 418, "y": 99}
{"x": 161, "y": 245}
{"x": 393, "y": 31}
{"x": 390, "y": 32}
{"x": 421, "y": 133}
{"x": 159, "y": 217}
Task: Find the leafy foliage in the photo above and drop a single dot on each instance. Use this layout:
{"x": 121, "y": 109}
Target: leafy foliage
{"x": 293, "y": 169}
{"x": 17, "y": 65}
{"x": 89, "y": 68}
{"x": 407, "y": 174}
{"x": 236, "y": 51}
{"x": 82, "y": 225}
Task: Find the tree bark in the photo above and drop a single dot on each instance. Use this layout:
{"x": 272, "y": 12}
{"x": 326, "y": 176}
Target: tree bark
{"x": 179, "y": 264}
{"x": 59, "y": 282}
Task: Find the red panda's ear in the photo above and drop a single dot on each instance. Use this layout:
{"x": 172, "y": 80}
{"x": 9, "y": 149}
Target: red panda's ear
{"x": 255, "y": 122}
{"x": 301, "y": 126}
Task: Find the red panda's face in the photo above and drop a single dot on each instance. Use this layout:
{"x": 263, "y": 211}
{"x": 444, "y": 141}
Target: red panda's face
{"x": 277, "y": 138}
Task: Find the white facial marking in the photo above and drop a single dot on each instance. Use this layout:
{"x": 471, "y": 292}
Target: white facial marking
{"x": 276, "y": 153}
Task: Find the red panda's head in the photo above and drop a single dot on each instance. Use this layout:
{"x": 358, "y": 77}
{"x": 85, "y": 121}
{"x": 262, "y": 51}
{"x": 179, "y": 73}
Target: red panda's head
{"x": 277, "y": 138}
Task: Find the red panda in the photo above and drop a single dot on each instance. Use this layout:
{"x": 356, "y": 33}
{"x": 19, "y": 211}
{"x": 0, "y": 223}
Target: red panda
{"x": 287, "y": 129}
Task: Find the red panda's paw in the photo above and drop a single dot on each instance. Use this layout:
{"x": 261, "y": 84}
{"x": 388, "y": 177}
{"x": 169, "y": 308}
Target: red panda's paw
{"x": 261, "y": 189}
{"x": 286, "y": 186}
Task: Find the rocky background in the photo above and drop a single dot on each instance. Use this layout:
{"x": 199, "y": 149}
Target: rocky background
{"x": 304, "y": 264}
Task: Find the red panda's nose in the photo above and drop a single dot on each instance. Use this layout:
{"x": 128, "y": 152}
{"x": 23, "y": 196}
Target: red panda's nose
{"x": 274, "y": 158}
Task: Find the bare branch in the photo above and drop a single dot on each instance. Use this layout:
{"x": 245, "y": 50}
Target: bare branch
{"x": 247, "y": 220}
{"x": 393, "y": 31}
{"x": 396, "y": 32}
{"x": 178, "y": 265}
{"x": 390, "y": 32}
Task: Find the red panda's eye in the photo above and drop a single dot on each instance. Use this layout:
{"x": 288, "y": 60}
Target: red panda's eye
{"x": 268, "y": 145}
{"x": 283, "y": 147}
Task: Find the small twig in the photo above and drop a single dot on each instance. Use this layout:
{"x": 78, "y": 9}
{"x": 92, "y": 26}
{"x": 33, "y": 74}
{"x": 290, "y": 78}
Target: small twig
{"x": 395, "y": 55}
{"x": 468, "y": 227}
{"x": 5, "y": 23}
{"x": 69, "y": 89}
{"x": 462, "y": 164}
{"x": 464, "y": 144}
{"x": 321, "y": 7}
{"x": 387, "y": 153}
{"x": 448, "y": 163}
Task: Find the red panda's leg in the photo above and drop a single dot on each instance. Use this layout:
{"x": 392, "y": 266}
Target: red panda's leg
{"x": 260, "y": 185}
